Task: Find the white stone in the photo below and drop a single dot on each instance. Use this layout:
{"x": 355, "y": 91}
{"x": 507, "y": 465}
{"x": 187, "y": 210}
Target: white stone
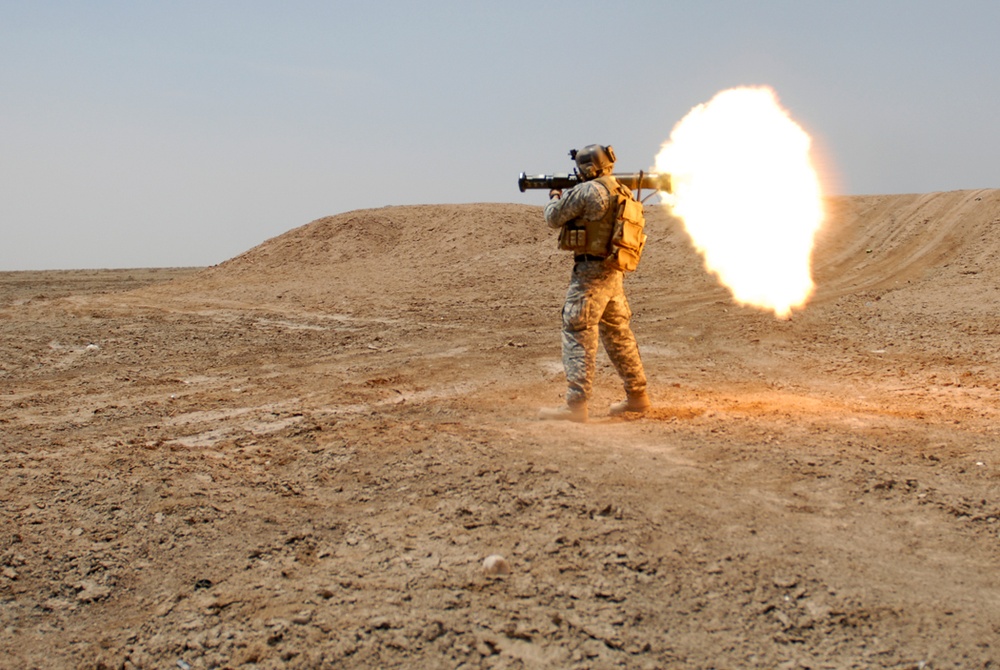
{"x": 496, "y": 564}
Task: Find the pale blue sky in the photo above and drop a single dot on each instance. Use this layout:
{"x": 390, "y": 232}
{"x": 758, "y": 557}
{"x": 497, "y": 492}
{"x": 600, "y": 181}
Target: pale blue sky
{"x": 177, "y": 133}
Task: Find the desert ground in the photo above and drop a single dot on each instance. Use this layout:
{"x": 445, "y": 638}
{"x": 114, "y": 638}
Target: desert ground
{"x": 302, "y": 456}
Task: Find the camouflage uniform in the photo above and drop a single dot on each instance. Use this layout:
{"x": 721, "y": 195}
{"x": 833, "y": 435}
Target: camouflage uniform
{"x": 595, "y": 306}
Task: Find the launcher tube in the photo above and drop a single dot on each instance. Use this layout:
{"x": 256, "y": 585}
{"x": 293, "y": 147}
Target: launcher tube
{"x": 650, "y": 181}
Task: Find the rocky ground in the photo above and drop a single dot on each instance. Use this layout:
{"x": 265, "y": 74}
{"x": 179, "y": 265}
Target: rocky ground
{"x": 302, "y": 457}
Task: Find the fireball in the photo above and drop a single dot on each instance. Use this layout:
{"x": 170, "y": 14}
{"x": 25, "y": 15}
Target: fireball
{"x": 748, "y": 195}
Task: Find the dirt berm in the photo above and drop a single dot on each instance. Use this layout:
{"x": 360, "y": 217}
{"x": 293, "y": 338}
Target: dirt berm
{"x": 302, "y": 456}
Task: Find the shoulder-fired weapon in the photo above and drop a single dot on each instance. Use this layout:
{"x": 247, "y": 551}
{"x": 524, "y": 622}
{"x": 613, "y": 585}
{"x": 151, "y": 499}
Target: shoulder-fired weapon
{"x": 637, "y": 181}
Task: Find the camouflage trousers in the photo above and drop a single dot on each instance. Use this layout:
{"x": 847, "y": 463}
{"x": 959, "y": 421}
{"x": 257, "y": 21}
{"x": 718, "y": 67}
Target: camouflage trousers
{"x": 596, "y": 308}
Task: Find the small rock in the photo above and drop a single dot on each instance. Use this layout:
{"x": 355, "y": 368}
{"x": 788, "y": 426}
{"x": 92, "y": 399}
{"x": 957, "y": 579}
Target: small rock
{"x": 495, "y": 565}
{"x": 165, "y": 607}
{"x": 432, "y": 631}
{"x": 785, "y": 581}
{"x": 400, "y": 642}
{"x": 380, "y": 623}
{"x": 91, "y": 591}
{"x": 487, "y": 645}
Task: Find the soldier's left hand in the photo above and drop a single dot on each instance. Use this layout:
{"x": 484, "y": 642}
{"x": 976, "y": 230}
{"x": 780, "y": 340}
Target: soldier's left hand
{"x": 555, "y": 193}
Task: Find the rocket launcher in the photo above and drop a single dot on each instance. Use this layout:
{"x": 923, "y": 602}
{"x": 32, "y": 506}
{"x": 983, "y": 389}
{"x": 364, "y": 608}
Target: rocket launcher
{"x": 637, "y": 181}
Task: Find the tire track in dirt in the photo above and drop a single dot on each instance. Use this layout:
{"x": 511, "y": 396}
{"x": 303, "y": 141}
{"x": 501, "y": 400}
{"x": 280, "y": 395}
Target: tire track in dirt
{"x": 877, "y": 242}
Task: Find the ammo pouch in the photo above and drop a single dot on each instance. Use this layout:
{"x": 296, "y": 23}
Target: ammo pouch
{"x": 572, "y": 238}
{"x": 627, "y": 236}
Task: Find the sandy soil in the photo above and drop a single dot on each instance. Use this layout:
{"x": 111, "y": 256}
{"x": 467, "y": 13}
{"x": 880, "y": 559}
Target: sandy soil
{"x": 301, "y": 457}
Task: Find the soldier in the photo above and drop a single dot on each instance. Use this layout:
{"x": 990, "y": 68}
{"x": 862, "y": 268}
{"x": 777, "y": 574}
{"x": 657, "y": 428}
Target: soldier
{"x": 595, "y": 301}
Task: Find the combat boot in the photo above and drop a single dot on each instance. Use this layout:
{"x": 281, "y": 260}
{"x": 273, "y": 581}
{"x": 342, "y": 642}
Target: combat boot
{"x": 635, "y": 402}
{"x": 576, "y": 412}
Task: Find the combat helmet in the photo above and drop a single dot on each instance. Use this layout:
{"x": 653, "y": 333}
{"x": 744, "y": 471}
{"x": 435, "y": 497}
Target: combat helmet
{"x": 593, "y": 160}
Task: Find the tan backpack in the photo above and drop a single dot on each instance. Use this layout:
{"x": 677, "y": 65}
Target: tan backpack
{"x": 619, "y": 236}
{"x": 628, "y": 237}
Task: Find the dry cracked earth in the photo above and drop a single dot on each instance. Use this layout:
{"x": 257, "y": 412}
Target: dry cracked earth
{"x": 301, "y": 457}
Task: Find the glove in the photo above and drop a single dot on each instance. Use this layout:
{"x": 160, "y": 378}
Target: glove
{"x": 555, "y": 194}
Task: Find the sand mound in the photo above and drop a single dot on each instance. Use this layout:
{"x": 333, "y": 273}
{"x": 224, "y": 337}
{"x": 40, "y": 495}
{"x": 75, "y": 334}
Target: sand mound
{"x": 937, "y": 239}
{"x": 388, "y": 256}
{"x": 937, "y": 248}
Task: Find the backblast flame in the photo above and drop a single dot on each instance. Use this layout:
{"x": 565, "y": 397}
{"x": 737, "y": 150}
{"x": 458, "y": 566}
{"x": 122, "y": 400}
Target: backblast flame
{"x": 748, "y": 195}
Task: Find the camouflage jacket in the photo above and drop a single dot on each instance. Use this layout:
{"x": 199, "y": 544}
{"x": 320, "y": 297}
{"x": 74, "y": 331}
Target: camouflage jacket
{"x": 587, "y": 201}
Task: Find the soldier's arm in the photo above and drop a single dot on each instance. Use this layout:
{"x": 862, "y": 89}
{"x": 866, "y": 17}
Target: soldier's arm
{"x": 570, "y": 206}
